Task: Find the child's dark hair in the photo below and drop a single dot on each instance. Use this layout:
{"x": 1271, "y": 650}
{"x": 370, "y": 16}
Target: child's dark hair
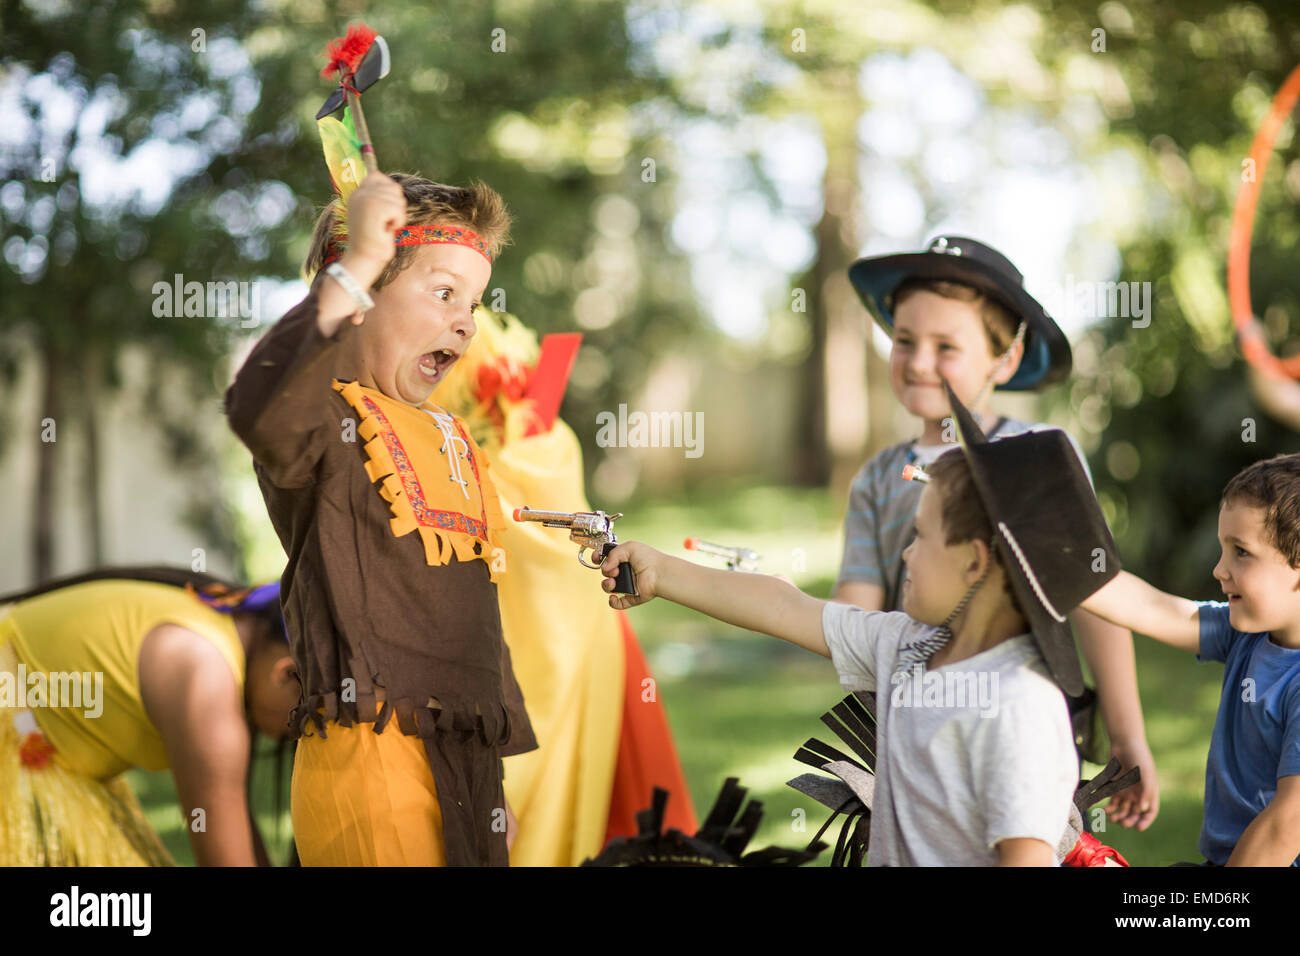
{"x": 999, "y": 322}
{"x": 963, "y": 515}
{"x": 1274, "y": 486}
{"x": 477, "y": 207}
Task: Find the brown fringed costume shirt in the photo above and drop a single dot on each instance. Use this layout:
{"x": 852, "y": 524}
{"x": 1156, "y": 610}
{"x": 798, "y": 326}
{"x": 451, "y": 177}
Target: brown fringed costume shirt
{"x": 381, "y": 619}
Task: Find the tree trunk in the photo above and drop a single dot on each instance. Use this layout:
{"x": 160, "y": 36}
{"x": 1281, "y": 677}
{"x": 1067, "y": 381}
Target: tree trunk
{"x": 836, "y": 376}
{"x": 91, "y": 395}
{"x": 51, "y": 412}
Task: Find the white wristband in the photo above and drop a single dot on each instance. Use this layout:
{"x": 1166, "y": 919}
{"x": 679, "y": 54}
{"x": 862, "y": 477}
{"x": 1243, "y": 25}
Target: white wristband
{"x": 350, "y": 285}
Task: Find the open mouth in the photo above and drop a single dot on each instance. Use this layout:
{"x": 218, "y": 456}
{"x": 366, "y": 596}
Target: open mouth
{"x": 432, "y": 365}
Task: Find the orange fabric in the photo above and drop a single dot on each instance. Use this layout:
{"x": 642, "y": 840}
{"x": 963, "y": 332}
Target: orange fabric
{"x": 646, "y": 755}
{"x": 360, "y": 798}
{"x": 417, "y": 452}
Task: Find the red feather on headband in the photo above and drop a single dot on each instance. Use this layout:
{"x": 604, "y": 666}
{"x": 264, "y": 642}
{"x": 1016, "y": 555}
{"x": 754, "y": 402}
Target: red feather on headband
{"x": 347, "y": 51}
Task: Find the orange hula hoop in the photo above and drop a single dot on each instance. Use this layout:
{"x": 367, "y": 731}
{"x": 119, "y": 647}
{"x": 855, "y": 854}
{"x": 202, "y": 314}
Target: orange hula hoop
{"x": 1253, "y": 346}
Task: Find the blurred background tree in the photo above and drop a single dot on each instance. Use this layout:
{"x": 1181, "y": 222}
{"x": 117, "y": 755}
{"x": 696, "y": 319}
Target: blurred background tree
{"x": 147, "y": 140}
{"x": 1166, "y": 409}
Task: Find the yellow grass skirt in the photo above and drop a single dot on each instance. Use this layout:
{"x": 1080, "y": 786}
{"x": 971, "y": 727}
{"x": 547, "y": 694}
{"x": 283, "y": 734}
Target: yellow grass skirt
{"x": 53, "y": 816}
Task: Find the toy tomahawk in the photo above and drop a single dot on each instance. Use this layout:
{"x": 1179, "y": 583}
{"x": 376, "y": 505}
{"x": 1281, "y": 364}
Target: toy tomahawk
{"x": 359, "y": 60}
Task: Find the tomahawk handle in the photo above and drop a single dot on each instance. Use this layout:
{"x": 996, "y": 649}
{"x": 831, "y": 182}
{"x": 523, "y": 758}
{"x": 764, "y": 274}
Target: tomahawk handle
{"x": 363, "y": 131}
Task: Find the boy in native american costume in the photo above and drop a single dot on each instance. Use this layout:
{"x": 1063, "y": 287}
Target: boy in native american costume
{"x": 409, "y": 698}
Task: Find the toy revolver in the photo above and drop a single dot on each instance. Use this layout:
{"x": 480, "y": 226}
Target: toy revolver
{"x": 594, "y": 532}
{"x": 738, "y": 559}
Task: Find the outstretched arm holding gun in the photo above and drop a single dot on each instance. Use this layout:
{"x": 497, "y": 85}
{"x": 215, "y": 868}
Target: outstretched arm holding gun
{"x": 756, "y": 602}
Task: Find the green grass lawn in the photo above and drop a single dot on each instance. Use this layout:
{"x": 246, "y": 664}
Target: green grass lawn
{"x": 740, "y": 704}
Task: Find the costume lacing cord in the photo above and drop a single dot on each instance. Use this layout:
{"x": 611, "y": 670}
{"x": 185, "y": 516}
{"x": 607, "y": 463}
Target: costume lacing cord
{"x": 447, "y": 425}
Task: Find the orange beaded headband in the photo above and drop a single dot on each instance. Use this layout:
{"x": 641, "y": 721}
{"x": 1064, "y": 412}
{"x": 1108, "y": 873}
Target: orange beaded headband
{"x": 426, "y": 236}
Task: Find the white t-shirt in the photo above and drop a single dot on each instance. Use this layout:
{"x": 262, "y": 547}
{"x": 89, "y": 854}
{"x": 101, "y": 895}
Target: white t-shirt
{"x": 969, "y": 753}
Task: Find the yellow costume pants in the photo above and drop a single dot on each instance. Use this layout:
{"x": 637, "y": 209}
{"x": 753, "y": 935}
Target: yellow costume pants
{"x": 365, "y": 799}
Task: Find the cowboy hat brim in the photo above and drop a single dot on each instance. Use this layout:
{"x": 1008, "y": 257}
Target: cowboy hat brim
{"x": 1047, "y": 357}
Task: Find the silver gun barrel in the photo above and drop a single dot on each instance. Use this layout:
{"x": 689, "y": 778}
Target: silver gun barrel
{"x": 560, "y": 519}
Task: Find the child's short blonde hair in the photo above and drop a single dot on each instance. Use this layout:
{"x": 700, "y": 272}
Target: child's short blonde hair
{"x": 477, "y": 207}
{"x": 999, "y": 322}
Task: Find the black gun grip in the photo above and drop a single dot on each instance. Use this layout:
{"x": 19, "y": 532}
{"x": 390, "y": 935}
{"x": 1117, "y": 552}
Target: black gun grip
{"x": 625, "y": 580}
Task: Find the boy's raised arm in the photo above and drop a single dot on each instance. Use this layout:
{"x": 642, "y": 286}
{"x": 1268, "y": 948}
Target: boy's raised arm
{"x": 278, "y": 401}
{"x": 1131, "y": 603}
{"x": 756, "y": 602}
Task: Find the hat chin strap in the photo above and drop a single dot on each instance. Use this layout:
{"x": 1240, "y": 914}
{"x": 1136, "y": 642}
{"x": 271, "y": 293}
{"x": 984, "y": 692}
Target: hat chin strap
{"x": 919, "y": 653}
{"x": 1002, "y": 361}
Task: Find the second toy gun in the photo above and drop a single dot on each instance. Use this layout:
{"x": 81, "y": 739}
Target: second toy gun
{"x": 594, "y": 532}
{"x": 738, "y": 559}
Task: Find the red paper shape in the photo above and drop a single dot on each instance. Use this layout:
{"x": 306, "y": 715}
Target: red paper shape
{"x": 551, "y": 377}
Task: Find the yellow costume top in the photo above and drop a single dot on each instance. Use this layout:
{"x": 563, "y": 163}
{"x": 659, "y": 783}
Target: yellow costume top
{"x": 96, "y": 630}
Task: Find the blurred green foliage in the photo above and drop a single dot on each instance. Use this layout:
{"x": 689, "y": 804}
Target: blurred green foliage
{"x": 561, "y": 123}
{"x": 1168, "y": 406}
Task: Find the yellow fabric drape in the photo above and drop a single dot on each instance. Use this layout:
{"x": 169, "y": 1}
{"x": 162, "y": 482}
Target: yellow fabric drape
{"x": 568, "y": 655}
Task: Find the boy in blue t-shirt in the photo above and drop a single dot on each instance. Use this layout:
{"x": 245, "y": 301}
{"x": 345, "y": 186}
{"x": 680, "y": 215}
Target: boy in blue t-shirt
{"x": 1252, "y": 774}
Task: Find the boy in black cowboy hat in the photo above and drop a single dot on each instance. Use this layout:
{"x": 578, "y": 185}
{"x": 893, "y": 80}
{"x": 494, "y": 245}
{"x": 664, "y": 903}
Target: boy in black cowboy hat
{"x": 975, "y": 763}
{"x": 959, "y": 312}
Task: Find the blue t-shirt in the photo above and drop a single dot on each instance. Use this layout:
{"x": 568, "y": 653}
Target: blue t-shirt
{"x": 1256, "y": 733}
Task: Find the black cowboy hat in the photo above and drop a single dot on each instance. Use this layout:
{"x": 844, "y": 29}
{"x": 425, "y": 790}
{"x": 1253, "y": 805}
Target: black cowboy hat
{"x": 1050, "y": 532}
{"x": 960, "y": 259}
